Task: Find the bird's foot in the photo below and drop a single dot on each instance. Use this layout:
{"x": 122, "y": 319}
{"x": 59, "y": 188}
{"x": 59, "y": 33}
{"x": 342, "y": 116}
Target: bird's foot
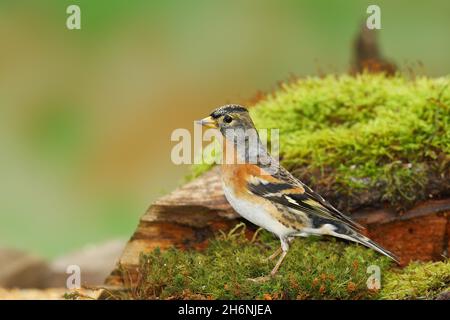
{"x": 261, "y": 279}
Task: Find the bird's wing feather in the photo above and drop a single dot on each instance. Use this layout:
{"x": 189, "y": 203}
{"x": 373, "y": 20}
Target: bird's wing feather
{"x": 292, "y": 193}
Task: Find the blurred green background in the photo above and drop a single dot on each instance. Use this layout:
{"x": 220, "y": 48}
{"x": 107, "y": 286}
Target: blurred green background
{"x": 86, "y": 115}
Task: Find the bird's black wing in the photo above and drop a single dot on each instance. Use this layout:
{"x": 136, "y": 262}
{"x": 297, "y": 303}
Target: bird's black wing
{"x": 286, "y": 190}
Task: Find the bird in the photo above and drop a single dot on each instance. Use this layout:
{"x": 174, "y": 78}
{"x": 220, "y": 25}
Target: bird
{"x": 260, "y": 190}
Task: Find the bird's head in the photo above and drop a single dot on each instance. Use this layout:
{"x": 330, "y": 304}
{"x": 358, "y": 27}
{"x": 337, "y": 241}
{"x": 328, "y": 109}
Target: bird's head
{"x": 228, "y": 117}
{"x": 239, "y": 132}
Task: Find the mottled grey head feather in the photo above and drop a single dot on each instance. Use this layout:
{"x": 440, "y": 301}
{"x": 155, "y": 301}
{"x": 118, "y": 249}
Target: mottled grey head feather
{"x": 227, "y": 109}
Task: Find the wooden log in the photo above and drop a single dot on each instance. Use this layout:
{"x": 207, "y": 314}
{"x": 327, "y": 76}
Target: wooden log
{"x": 192, "y": 214}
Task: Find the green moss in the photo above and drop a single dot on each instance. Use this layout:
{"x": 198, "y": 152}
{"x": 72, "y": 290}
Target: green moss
{"x": 197, "y": 170}
{"x": 348, "y": 136}
{"x": 418, "y": 281}
{"x": 312, "y": 270}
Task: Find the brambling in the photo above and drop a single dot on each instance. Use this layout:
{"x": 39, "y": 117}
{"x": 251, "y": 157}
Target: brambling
{"x": 263, "y": 192}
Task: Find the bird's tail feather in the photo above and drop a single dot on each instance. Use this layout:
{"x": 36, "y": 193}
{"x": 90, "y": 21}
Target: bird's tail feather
{"x": 365, "y": 241}
{"x": 375, "y": 246}
{"x": 347, "y": 233}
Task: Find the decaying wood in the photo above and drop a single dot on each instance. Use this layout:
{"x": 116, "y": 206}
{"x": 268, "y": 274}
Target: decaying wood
{"x": 367, "y": 54}
{"x": 190, "y": 215}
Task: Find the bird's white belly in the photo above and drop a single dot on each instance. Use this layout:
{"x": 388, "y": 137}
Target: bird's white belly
{"x": 256, "y": 214}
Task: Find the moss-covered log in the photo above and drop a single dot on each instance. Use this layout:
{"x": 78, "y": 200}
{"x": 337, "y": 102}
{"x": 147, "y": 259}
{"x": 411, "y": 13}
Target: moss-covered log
{"x": 377, "y": 147}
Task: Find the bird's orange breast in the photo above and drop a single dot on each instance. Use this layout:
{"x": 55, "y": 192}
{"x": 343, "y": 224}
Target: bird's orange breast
{"x": 237, "y": 176}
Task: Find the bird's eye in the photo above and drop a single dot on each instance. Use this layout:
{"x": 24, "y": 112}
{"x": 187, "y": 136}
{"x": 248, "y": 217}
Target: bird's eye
{"x": 227, "y": 119}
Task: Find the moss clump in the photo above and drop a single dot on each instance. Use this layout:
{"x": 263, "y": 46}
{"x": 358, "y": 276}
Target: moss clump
{"x": 418, "y": 281}
{"x": 312, "y": 270}
{"x": 362, "y": 140}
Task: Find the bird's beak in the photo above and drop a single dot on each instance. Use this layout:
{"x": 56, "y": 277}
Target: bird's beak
{"x": 208, "y": 122}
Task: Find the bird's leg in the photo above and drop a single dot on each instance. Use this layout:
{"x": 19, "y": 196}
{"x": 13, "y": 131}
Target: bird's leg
{"x": 277, "y": 266}
{"x": 284, "y": 248}
{"x": 274, "y": 255}
{"x": 279, "y": 250}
